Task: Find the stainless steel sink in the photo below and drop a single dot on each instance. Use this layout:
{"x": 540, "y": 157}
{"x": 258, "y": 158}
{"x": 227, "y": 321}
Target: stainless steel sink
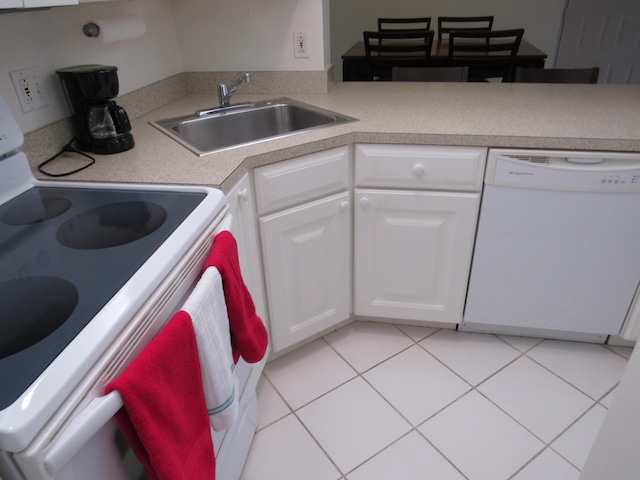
{"x": 209, "y": 131}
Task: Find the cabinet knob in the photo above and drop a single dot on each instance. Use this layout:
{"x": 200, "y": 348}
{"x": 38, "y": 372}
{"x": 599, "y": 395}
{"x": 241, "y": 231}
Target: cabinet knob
{"x": 364, "y": 202}
{"x": 344, "y": 206}
{"x": 418, "y": 170}
{"x": 243, "y": 194}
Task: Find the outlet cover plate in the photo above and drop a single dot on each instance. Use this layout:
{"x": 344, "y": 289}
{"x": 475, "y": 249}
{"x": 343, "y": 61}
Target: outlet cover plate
{"x": 300, "y": 46}
{"x": 30, "y": 89}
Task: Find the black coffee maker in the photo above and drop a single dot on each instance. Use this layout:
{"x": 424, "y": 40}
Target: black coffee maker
{"x": 101, "y": 126}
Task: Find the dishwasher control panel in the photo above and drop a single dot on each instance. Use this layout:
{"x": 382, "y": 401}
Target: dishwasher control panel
{"x": 574, "y": 171}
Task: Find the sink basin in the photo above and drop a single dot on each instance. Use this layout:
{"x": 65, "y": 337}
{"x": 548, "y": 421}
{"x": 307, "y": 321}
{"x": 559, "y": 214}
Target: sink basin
{"x": 220, "y": 129}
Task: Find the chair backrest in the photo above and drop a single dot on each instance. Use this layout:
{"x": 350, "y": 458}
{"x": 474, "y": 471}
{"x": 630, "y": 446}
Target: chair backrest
{"x": 430, "y": 74}
{"x": 408, "y": 48}
{"x": 391, "y": 24}
{"x": 487, "y": 54}
{"x": 447, "y": 24}
{"x": 557, "y": 75}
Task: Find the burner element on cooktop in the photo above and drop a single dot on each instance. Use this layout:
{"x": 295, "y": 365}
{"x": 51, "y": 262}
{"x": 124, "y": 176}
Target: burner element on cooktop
{"x": 36, "y": 210}
{"x": 33, "y": 308}
{"x": 111, "y": 225}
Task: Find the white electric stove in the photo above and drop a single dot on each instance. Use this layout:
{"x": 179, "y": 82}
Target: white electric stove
{"x": 89, "y": 273}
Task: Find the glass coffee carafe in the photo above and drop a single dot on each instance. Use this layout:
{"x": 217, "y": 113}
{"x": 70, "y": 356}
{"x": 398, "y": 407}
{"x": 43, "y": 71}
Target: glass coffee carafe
{"x": 107, "y": 121}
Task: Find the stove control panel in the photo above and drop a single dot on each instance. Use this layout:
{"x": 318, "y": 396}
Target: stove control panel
{"x": 11, "y": 137}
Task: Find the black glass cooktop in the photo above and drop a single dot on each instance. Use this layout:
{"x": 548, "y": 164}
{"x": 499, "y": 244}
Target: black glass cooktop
{"x": 64, "y": 253}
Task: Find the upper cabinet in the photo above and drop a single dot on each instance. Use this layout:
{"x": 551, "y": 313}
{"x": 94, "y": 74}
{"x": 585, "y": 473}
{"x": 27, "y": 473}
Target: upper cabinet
{"x": 6, "y": 4}
{"x": 36, "y": 3}
{"x": 11, "y": 4}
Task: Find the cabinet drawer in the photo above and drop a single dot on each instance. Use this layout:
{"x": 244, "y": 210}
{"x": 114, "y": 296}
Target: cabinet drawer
{"x": 420, "y": 167}
{"x": 299, "y": 180}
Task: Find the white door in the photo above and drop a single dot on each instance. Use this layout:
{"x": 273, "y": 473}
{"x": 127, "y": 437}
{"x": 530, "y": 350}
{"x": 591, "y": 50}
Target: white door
{"x": 605, "y": 34}
{"x": 413, "y": 253}
{"x": 307, "y": 258}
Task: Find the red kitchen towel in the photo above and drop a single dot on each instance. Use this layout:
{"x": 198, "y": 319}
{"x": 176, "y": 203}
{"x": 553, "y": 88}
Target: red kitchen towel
{"x": 249, "y": 337}
{"x": 164, "y": 417}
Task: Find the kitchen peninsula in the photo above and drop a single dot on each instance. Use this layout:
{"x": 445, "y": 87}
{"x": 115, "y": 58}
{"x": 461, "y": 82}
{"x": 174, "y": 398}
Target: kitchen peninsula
{"x": 585, "y": 117}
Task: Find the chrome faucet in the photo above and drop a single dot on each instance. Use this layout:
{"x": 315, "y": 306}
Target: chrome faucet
{"x": 225, "y": 93}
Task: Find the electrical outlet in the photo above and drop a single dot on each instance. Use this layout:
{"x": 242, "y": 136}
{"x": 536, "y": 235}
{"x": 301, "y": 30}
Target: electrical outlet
{"x": 30, "y": 89}
{"x": 300, "y": 47}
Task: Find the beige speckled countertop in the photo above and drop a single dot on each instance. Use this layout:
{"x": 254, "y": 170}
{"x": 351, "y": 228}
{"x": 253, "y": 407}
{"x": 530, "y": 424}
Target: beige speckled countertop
{"x": 579, "y": 117}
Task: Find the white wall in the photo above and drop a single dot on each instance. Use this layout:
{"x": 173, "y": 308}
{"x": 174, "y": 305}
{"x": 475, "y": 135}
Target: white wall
{"x": 249, "y": 34}
{"x": 213, "y": 35}
{"x": 540, "y": 19}
{"x": 53, "y": 39}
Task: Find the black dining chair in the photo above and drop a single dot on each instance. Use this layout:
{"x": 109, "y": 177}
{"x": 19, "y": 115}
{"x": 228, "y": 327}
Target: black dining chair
{"x": 447, "y": 24}
{"x": 557, "y": 75}
{"x": 392, "y": 24}
{"x": 487, "y": 54}
{"x": 384, "y": 50}
{"x": 429, "y": 74}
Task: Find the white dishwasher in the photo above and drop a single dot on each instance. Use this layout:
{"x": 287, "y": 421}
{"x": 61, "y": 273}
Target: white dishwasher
{"x": 557, "y": 251}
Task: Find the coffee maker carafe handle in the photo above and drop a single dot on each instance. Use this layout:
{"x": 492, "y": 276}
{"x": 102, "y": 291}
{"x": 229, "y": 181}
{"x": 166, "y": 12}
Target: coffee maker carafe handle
{"x": 120, "y": 119}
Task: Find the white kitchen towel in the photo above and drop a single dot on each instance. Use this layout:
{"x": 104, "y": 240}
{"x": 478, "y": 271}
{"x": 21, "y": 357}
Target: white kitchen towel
{"x": 208, "y": 311}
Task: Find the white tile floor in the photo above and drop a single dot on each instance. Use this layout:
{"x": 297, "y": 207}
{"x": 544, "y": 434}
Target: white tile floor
{"x": 377, "y": 401}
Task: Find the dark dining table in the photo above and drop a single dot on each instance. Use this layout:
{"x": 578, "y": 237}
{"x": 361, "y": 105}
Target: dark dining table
{"x": 354, "y": 60}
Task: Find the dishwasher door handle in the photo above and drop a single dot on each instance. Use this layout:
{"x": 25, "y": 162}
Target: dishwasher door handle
{"x": 585, "y": 160}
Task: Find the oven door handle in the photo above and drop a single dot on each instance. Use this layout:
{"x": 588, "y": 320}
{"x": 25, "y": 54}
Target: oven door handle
{"x": 89, "y": 422}
{"x": 226, "y": 223}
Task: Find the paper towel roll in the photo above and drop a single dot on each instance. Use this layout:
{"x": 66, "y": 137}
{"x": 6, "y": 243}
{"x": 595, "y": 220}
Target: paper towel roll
{"x": 116, "y": 28}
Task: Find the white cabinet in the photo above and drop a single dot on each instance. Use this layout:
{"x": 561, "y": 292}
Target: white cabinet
{"x": 11, "y": 4}
{"x": 35, "y": 3}
{"x": 45, "y": 3}
{"x": 416, "y": 210}
{"x": 245, "y": 231}
{"x": 48, "y": 3}
{"x": 305, "y": 226}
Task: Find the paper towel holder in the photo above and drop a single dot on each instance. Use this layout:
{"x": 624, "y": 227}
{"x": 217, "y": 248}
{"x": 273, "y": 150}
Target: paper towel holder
{"x": 91, "y": 29}
{"x": 113, "y": 29}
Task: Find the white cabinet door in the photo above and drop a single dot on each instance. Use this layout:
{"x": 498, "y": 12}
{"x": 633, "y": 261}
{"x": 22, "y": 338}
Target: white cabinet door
{"x": 245, "y": 231}
{"x": 413, "y": 253}
{"x": 48, "y": 3}
{"x": 307, "y": 252}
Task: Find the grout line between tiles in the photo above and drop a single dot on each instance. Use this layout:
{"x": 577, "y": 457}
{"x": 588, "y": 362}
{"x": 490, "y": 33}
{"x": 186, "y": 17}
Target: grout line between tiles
{"x": 558, "y": 375}
{"x": 293, "y": 412}
{"x": 342, "y": 474}
{"x": 527, "y": 463}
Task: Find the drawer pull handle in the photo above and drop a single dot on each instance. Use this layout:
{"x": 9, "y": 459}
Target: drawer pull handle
{"x": 344, "y": 206}
{"x": 364, "y": 202}
{"x": 418, "y": 170}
